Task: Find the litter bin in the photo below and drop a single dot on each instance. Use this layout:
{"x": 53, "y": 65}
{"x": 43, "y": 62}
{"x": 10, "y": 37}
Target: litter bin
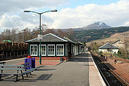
{"x": 30, "y": 63}
{"x": 33, "y": 62}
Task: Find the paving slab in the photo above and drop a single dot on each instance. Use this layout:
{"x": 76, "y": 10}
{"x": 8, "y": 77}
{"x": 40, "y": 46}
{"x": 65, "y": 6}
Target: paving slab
{"x": 95, "y": 79}
{"x": 79, "y": 71}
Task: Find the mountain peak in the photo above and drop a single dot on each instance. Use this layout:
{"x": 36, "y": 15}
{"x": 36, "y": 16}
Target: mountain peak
{"x": 97, "y": 25}
{"x": 100, "y": 23}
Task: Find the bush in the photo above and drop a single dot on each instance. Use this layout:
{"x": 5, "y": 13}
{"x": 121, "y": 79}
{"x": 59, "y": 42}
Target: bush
{"x": 122, "y": 53}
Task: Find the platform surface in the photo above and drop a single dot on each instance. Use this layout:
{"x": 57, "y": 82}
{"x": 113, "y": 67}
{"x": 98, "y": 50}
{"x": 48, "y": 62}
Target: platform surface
{"x": 79, "y": 71}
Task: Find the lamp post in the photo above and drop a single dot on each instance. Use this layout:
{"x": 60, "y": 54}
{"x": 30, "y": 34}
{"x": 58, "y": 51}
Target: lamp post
{"x": 40, "y": 14}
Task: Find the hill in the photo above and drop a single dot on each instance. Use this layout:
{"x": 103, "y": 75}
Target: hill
{"x": 124, "y": 36}
{"x": 97, "y": 25}
{"x": 95, "y": 34}
{"x": 121, "y": 40}
{"x": 77, "y": 35}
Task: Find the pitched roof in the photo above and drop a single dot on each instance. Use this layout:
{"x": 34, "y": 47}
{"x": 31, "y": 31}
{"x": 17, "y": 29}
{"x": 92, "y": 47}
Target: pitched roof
{"x": 75, "y": 42}
{"x": 66, "y": 38}
{"x": 108, "y": 46}
{"x": 48, "y": 38}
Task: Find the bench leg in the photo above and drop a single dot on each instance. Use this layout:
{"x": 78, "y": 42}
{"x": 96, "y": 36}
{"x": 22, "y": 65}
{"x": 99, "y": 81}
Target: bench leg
{"x": 30, "y": 73}
{"x": 16, "y": 78}
{"x": 0, "y": 77}
{"x": 22, "y": 77}
{"x": 26, "y": 74}
{"x": 1, "y": 74}
{"x": 17, "y": 71}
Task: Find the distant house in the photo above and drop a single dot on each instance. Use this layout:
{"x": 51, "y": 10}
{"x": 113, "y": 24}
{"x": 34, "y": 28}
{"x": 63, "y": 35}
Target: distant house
{"x": 54, "y": 47}
{"x": 108, "y": 48}
{"x": 119, "y": 44}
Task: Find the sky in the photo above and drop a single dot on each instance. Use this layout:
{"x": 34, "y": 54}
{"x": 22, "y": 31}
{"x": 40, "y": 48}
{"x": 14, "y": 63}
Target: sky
{"x": 71, "y": 13}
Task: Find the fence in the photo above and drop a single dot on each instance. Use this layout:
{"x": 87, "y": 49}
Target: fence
{"x": 13, "y": 50}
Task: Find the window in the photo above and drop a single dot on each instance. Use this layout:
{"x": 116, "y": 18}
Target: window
{"x": 43, "y": 50}
{"x": 51, "y": 50}
{"x": 33, "y": 50}
{"x": 60, "y": 49}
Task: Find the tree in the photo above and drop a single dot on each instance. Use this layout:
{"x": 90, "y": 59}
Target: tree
{"x": 61, "y": 33}
{"x": 122, "y": 53}
{"x": 49, "y": 31}
{"x": 7, "y": 34}
{"x": 27, "y": 34}
{"x": 13, "y": 35}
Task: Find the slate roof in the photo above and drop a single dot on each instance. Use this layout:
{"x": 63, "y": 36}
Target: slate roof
{"x": 108, "y": 46}
{"x": 69, "y": 40}
{"x": 48, "y": 38}
{"x": 75, "y": 42}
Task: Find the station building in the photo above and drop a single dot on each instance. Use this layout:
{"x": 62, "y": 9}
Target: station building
{"x": 108, "y": 48}
{"x": 54, "y": 47}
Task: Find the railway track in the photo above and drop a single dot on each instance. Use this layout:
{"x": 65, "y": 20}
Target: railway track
{"x": 109, "y": 77}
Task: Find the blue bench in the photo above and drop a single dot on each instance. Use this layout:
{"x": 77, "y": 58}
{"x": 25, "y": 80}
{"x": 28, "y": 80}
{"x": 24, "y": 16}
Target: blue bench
{"x": 18, "y": 70}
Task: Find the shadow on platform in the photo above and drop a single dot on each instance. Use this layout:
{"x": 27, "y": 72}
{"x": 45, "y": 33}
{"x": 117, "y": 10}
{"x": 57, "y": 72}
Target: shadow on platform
{"x": 81, "y": 59}
{"x": 45, "y": 69}
{"x": 44, "y": 77}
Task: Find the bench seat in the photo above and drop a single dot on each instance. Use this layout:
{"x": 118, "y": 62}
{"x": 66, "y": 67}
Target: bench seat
{"x": 20, "y": 70}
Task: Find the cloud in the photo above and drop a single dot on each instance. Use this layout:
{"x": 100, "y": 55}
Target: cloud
{"x": 126, "y": 23}
{"x": 114, "y": 14}
{"x": 13, "y": 5}
{"x": 12, "y": 12}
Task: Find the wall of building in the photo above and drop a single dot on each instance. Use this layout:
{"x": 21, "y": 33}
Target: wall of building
{"x": 52, "y": 58}
{"x": 46, "y": 44}
{"x": 70, "y": 50}
{"x": 102, "y": 50}
{"x": 115, "y": 50}
{"x": 109, "y": 51}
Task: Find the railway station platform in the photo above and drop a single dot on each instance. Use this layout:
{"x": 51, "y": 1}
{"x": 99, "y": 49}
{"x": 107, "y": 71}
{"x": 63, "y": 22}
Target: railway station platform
{"x": 79, "y": 71}
{"x": 95, "y": 79}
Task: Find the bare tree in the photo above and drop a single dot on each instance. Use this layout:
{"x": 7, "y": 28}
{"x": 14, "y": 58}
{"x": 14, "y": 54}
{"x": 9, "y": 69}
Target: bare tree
{"x": 6, "y": 35}
{"x": 13, "y": 35}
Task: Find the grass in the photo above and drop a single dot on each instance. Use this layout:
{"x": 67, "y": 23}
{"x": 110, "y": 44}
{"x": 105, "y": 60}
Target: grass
{"x": 120, "y": 56}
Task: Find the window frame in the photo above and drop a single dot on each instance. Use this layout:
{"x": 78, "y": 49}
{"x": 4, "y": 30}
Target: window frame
{"x": 48, "y": 49}
{"x": 45, "y": 50}
{"x": 56, "y": 49}
{"x": 31, "y": 51}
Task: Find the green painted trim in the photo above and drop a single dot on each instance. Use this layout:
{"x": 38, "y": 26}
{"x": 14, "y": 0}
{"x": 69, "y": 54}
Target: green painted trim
{"x": 47, "y": 50}
{"x": 29, "y": 50}
{"x": 55, "y": 50}
{"x": 65, "y": 48}
{"x": 38, "y": 50}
